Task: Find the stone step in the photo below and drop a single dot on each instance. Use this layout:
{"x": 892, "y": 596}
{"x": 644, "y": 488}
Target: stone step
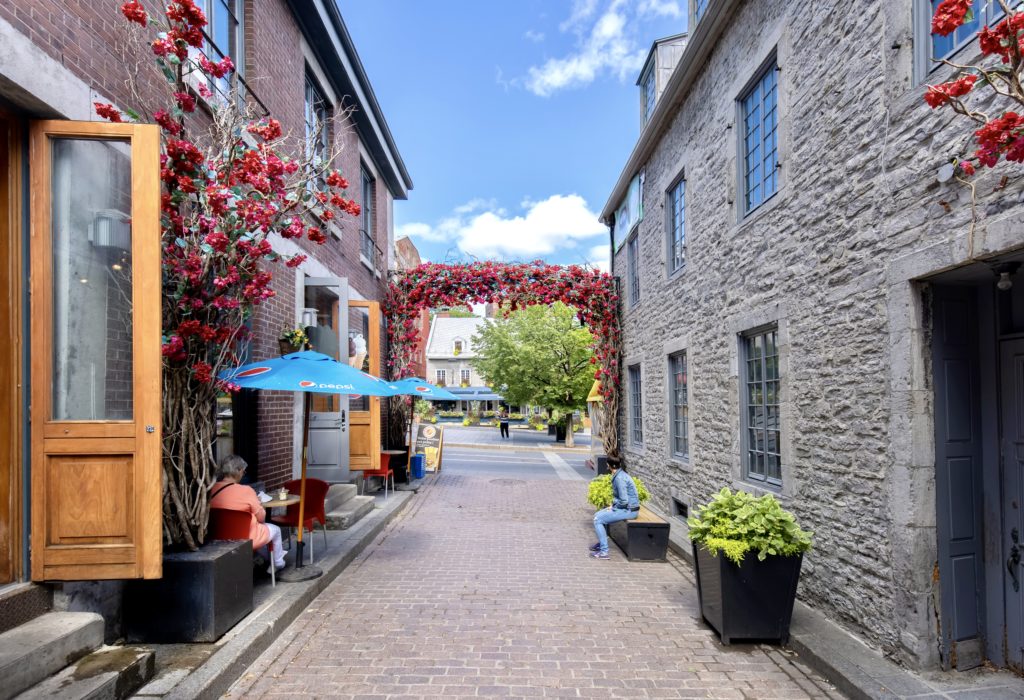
{"x": 31, "y": 652}
{"x": 349, "y": 513}
{"x": 338, "y": 495}
{"x": 110, "y": 673}
{"x": 20, "y": 602}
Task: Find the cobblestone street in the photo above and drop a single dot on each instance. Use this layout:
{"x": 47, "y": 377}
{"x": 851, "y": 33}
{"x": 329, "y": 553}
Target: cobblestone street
{"x": 483, "y": 587}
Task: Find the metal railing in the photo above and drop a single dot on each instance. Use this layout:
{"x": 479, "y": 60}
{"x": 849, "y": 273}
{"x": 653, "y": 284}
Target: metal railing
{"x": 224, "y": 88}
{"x": 369, "y": 249}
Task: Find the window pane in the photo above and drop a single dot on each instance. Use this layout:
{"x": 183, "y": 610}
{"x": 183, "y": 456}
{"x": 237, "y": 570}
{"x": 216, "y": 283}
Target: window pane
{"x": 359, "y": 350}
{"x": 761, "y": 417}
{"x": 92, "y": 279}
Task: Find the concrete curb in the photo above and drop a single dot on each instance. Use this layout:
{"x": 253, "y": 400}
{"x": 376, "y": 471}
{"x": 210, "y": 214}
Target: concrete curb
{"x": 213, "y": 678}
{"x": 513, "y": 448}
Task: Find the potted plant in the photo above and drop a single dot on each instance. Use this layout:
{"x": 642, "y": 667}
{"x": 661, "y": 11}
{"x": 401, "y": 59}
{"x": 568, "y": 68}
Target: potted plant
{"x": 748, "y": 593}
{"x": 599, "y": 493}
{"x": 292, "y": 340}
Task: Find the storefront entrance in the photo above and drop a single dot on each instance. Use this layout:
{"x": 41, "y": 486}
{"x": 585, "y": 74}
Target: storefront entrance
{"x": 977, "y": 344}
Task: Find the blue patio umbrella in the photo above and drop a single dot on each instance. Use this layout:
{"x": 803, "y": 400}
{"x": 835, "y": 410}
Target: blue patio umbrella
{"x": 311, "y": 373}
{"x": 420, "y": 388}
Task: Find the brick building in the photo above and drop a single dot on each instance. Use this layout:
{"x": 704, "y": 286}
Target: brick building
{"x": 407, "y": 256}
{"x": 296, "y": 62}
{"x": 808, "y": 312}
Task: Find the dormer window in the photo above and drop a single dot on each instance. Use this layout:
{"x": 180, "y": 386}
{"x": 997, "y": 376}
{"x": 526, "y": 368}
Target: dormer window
{"x": 457, "y": 347}
{"x": 647, "y": 95}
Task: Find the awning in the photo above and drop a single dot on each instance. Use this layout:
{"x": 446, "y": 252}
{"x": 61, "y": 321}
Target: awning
{"x": 595, "y": 393}
{"x": 474, "y": 393}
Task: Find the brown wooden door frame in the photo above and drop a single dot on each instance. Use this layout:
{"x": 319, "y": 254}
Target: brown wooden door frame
{"x": 371, "y": 417}
{"x": 11, "y": 380}
{"x": 87, "y": 524}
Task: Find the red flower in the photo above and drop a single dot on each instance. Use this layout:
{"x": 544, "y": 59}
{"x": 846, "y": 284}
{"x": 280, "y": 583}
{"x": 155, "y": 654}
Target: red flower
{"x": 107, "y": 111}
{"x": 949, "y": 15}
{"x": 295, "y": 260}
{"x": 186, "y": 101}
{"x": 334, "y": 179}
{"x": 316, "y": 235}
{"x": 167, "y": 122}
{"x": 202, "y": 372}
{"x": 966, "y": 168}
{"x": 133, "y": 12}
{"x": 268, "y": 130}
{"x": 186, "y": 12}
{"x": 219, "y": 69}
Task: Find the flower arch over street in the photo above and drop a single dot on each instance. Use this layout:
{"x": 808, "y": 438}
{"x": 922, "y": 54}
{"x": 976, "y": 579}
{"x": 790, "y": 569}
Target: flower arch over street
{"x": 512, "y": 286}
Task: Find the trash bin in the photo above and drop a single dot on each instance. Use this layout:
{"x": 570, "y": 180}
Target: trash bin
{"x": 419, "y": 466}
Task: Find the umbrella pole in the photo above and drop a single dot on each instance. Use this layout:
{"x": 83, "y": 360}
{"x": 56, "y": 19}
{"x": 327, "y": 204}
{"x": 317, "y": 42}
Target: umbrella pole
{"x": 301, "y": 572}
{"x": 408, "y": 454}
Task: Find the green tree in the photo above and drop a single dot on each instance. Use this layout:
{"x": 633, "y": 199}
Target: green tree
{"x": 538, "y": 355}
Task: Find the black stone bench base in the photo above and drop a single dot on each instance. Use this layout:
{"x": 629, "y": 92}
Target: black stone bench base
{"x": 643, "y": 539}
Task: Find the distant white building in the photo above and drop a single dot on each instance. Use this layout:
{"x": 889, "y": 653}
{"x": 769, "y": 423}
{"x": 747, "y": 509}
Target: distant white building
{"x": 450, "y": 351}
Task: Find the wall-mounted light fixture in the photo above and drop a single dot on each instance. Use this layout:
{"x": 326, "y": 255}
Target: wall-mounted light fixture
{"x": 1004, "y": 273}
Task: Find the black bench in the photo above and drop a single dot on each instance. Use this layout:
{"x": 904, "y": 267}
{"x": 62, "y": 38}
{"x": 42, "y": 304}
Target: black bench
{"x": 642, "y": 539}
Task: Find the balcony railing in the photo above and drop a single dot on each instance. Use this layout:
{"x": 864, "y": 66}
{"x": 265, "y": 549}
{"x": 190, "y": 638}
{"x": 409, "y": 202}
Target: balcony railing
{"x": 369, "y": 250}
{"x": 224, "y": 88}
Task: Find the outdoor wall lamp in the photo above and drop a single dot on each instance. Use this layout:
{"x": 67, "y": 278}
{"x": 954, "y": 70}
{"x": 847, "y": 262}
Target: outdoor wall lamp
{"x": 1005, "y": 272}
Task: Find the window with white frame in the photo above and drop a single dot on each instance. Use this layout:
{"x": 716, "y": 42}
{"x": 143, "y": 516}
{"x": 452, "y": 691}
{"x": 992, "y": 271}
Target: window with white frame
{"x": 457, "y": 347}
{"x": 761, "y": 424}
{"x": 316, "y": 130}
{"x": 680, "y": 407}
{"x": 464, "y": 377}
{"x": 439, "y": 377}
{"x": 369, "y": 188}
{"x": 699, "y": 8}
{"x": 633, "y": 268}
{"x": 759, "y": 133}
{"x": 647, "y": 95}
{"x": 636, "y": 414}
{"x": 677, "y": 226}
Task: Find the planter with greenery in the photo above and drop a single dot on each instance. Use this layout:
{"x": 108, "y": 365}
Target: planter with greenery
{"x": 748, "y": 592}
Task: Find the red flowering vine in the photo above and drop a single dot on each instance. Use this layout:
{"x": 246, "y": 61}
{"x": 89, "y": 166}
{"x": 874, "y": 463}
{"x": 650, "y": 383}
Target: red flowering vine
{"x": 997, "y": 137}
{"x": 224, "y": 198}
{"x": 511, "y": 285}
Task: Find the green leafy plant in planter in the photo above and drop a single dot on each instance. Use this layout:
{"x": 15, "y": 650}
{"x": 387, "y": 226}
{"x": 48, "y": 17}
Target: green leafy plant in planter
{"x": 466, "y": 422}
{"x": 599, "y": 493}
{"x": 735, "y": 523}
{"x": 747, "y": 597}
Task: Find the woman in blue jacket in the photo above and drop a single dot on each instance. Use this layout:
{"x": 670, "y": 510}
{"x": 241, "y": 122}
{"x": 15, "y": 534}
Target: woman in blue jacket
{"x": 625, "y": 506}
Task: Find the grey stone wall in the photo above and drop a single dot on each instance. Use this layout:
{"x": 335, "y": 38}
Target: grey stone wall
{"x": 832, "y": 259}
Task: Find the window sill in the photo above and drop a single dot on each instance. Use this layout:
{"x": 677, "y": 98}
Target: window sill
{"x": 760, "y": 488}
{"x": 761, "y": 210}
{"x": 366, "y": 263}
{"x": 680, "y": 463}
{"x": 636, "y": 449}
{"x": 676, "y": 274}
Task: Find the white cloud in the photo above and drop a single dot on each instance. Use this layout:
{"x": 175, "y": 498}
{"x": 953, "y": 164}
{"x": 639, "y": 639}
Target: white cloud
{"x": 661, "y": 8}
{"x": 607, "y": 47}
{"x": 598, "y": 257}
{"x": 535, "y": 37}
{"x": 481, "y": 229}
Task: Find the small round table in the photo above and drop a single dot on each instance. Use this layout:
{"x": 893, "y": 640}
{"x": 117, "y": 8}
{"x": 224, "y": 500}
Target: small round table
{"x": 289, "y": 500}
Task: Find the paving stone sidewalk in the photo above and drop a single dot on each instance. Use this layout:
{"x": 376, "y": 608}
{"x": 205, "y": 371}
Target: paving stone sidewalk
{"x": 482, "y": 588}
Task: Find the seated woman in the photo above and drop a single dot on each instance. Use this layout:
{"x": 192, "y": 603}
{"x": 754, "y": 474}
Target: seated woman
{"x": 229, "y": 493}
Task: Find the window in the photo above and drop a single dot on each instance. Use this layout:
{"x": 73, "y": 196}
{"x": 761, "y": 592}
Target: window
{"x": 636, "y": 418}
{"x": 464, "y": 377}
{"x": 986, "y": 12}
{"x": 457, "y": 347}
{"x": 647, "y": 96}
{"x": 440, "y": 377}
{"x": 761, "y": 428}
{"x": 316, "y": 130}
{"x": 680, "y": 411}
{"x": 699, "y": 8}
{"x": 366, "y": 237}
{"x": 633, "y": 263}
{"x": 760, "y": 139}
{"x": 224, "y": 38}
{"x": 677, "y": 226}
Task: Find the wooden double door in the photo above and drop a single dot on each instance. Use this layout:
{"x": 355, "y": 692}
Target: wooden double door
{"x": 80, "y": 374}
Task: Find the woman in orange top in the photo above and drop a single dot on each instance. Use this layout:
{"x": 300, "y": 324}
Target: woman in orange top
{"x": 229, "y": 493}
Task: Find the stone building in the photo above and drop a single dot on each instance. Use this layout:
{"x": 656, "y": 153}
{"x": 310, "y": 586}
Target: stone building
{"x": 808, "y": 311}
{"x": 296, "y": 62}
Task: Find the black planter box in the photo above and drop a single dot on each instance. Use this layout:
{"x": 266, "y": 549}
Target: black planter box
{"x": 602, "y": 464}
{"x": 201, "y": 596}
{"x": 643, "y": 539}
{"x": 750, "y": 601}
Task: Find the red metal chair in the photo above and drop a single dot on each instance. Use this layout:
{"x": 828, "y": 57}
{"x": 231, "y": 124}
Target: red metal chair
{"x": 229, "y": 524}
{"x": 384, "y": 472}
{"x": 316, "y": 498}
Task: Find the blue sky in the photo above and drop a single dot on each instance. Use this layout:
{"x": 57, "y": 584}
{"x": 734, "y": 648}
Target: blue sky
{"x": 513, "y": 117}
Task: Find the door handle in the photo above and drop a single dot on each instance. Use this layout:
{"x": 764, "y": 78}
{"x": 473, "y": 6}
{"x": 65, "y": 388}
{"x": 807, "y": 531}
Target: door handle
{"x": 343, "y": 421}
{"x": 1014, "y": 560}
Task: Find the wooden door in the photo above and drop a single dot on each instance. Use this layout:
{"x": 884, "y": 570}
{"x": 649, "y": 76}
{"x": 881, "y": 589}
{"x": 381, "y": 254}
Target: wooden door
{"x": 1012, "y": 418}
{"x": 95, "y": 304}
{"x": 11, "y": 417}
{"x": 364, "y": 411}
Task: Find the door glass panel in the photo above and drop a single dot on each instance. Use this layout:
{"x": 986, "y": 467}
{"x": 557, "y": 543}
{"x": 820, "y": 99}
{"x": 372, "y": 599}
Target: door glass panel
{"x": 323, "y": 337}
{"x": 92, "y": 279}
{"x": 359, "y": 349}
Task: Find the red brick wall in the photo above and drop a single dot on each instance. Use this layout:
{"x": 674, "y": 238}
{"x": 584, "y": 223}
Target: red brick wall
{"x": 83, "y": 37}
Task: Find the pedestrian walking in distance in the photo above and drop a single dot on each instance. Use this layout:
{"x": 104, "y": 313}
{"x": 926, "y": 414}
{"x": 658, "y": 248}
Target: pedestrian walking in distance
{"x": 625, "y": 506}
{"x": 503, "y": 421}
